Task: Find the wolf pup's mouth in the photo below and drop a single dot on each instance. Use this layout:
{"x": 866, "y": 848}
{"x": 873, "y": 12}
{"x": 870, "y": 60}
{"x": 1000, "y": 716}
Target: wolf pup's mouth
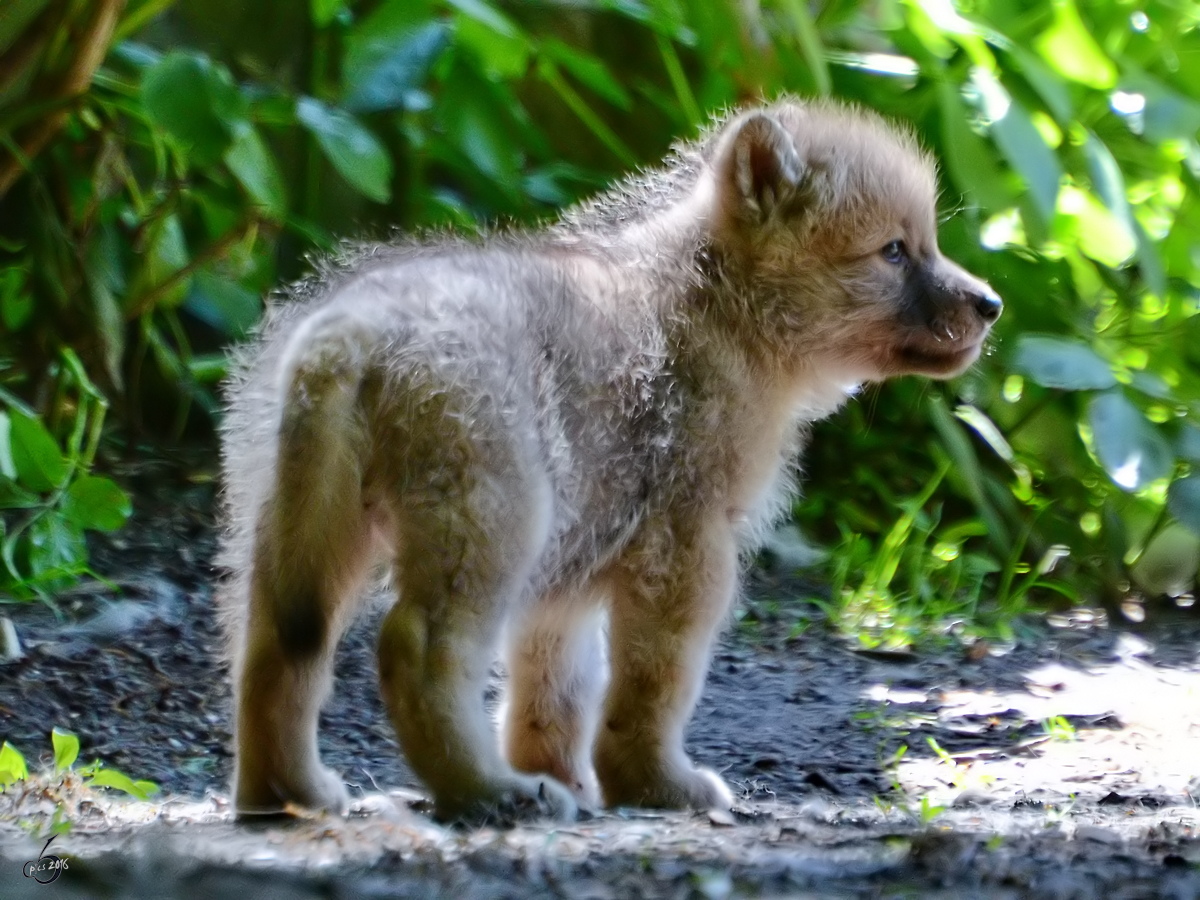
{"x": 939, "y": 360}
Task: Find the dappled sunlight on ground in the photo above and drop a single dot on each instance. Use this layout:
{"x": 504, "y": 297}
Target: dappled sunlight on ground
{"x": 1123, "y": 734}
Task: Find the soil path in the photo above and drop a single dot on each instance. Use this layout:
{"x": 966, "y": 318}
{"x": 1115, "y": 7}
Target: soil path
{"x": 1064, "y": 765}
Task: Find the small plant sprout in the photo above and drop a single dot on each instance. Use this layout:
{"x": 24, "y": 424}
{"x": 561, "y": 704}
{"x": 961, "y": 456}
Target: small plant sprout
{"x": 12, "y": 765}
{"x": 1058, "y": 728}
{"x": 13, "y": 768}
{"x": 962, "y": 777}
{"x": 930, "y": 810}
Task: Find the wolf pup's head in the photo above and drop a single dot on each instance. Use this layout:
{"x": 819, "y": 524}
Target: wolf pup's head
{"x": 828, "y": 213}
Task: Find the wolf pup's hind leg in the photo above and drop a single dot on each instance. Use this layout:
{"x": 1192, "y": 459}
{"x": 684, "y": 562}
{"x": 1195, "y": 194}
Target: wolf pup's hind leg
{"x": 471, "y": 525}
{"x": 311, "y": 555}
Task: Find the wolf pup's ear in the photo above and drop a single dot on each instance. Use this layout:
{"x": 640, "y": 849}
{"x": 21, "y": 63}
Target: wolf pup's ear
{"x": 761, "y": 171}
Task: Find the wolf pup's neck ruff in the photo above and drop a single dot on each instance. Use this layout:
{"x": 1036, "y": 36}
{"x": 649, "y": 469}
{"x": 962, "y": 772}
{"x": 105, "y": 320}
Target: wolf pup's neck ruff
{"x": 557, "y": 443}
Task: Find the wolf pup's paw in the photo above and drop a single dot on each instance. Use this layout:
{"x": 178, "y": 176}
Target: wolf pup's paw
{"x": 518, "y": 798}
{"x": 323, "y": 790}
{"x": 678, "y": 788}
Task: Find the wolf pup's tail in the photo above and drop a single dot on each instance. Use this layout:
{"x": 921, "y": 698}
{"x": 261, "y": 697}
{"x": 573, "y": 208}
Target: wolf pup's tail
{"x": 311, "y": 533}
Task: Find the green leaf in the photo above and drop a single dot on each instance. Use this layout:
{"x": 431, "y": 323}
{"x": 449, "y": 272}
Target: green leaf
{"x": 550, "y": 74}
{"x": 66, "y": 750}
{"x": 664, "y": 16}
{"x": 683, "y": 90}
{"x": 55, "y": 545}
{"x": 166, "y": 254}
{"x": 1062, "y": 363}
{"x": 13, "y": 496}
{"x": 1181, "y": 258}
{"x": 1107, "y": 179}
{"x": 16, "y": 303}
{"x": 1183, "y": 499}
{"x": 17, "y": 15}
{"x": 1109, "y": 184}
{"x": 971, "y": 161}
{"x": 111, "y": 778}
{"x": 1187, "y": 444}
{"x": 1068, "y": 47}
{"x": 105, "y": 260}
{"x": 987, "y": 430}
{"x": 1167, "y": 114}
{"x": 12, "y": 765}
{"x": 502, "y": 57}
{"x": 1129, "y": 447}
{"x": 1020, "y": 142}
{"x": 105, "y": 274}
{"x": 254, "y": 166}
{"x": 96, "y": 502}
{"x": 16, "y": 310}
{"x": 487, "y": 14}
{"x": 145, "y": 788}
{"x": 325, "y": 11}
{"x": 35, "y": 454}
{"x": 1093, "y": 228}
{"x": 1152, "y": 384}
{"x": 208, "y": 368}
{"x": 226, "y": 305}
{"x": 352, "y": 149}
{"x": 809, "y": 38}
{"x": 195, "y": 101}
{"x": 8, "y": 467}
{"x": 388, "y": 56}
{"x": 478, "y": 129}
{"x": 1169, "y": 561}
{"x": 1049, "y": 86}
{"x": 966, "y": 469}
{"x": 1150, "y": 261}
{"x": 137, "y": 54}
{"x": 589, "y": 70}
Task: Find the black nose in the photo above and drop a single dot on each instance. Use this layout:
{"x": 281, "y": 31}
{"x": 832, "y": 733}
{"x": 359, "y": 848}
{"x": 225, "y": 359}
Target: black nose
{"x": 988, "y": 304}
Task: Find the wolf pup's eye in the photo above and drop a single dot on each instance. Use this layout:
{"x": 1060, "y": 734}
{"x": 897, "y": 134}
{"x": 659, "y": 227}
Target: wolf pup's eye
{"x": 894, "y": 252}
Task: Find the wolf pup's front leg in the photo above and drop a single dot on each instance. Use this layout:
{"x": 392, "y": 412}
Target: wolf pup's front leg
{"x": 665, "y": 614}
{"x": 556, "y": 676}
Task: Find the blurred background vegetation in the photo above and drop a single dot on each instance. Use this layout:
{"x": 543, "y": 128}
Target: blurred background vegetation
{"x": 164, "y": 164}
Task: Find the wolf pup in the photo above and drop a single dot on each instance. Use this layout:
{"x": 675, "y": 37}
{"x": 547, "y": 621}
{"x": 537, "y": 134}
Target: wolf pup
{"x": 559, "y": 442}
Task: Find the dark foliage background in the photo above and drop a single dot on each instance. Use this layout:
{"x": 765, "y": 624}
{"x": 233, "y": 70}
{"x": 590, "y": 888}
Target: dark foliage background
{"x": 164, "y": 164}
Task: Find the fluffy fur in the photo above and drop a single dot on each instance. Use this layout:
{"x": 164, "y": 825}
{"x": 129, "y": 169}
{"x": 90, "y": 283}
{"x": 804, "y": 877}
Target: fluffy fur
{"x": 540, "y": 431}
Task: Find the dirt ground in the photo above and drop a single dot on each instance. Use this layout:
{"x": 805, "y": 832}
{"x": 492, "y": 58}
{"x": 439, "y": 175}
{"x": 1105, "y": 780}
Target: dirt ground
{"x": 1066, "y": 765}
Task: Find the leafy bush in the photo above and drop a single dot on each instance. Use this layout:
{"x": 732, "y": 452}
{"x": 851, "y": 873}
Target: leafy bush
{"x": 48, "y": 494}
{"x": 186, "y": 182}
